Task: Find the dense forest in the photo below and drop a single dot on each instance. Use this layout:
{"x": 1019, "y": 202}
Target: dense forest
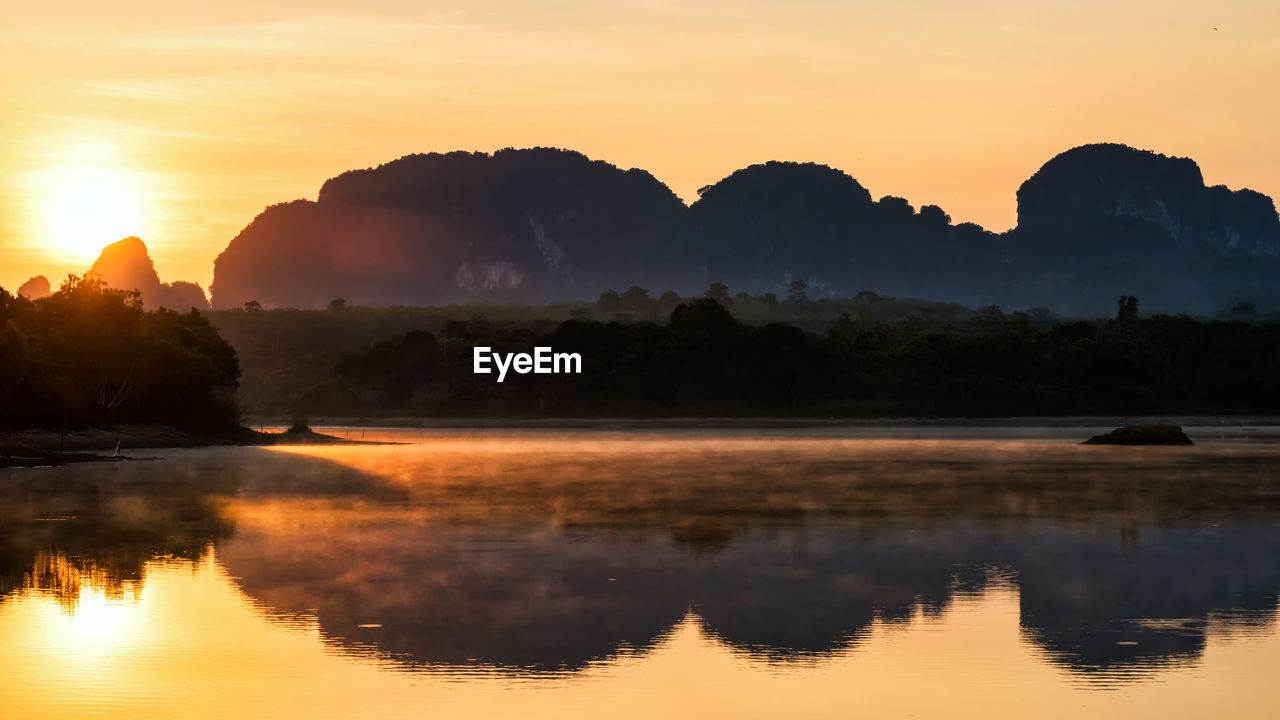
{"x": 90, "y": 355}
{"x": 284, "y": 353}
{"x": 703, "y": 361}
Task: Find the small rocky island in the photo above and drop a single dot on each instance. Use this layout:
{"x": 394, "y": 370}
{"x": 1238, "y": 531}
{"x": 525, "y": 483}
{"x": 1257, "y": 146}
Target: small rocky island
{"x": 1142, "y": 435}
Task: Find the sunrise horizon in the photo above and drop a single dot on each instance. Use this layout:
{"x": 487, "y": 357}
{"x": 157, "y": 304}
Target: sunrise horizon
{"x": 640, "y": 359}
{"x": 180, "y": 127}
{"x": 74, "y": 246}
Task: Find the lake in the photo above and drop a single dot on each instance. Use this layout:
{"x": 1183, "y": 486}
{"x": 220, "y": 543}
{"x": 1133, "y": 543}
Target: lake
{"x": 876, "y": 572}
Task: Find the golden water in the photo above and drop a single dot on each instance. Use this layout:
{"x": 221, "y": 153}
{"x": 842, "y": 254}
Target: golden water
{"x": 645, "y": 574}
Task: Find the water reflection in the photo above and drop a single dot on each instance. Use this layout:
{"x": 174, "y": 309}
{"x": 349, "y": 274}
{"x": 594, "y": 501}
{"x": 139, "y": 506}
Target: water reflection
{"x": 65, "y": 529}
{"x": 1099, "y": 605}
{"x": 545, "y": 553}
{"x": 533, "y": 598}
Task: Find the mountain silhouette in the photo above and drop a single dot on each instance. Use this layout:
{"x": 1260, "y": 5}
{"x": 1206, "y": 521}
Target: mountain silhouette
{"x": 543, "y": 224}
{"x": 35, "y": 288}
{"x": 1098, "y": 183}
{"x": 517, "y": 225}
{"x": 126, "y": 265}
{"x": 766, "y": 225}
{"x": 1103, "y": 220}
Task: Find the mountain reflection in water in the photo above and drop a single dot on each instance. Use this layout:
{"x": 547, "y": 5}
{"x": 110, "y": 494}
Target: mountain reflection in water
{"x": 538, "y": 553}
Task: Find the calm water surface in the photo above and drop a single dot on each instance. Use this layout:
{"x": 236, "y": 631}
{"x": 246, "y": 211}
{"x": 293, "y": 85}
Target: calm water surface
{"x": 872, "y": 573}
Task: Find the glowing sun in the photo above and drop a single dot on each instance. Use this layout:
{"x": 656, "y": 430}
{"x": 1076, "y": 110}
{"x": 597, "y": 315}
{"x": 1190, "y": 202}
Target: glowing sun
{"x": 89, "y": 202}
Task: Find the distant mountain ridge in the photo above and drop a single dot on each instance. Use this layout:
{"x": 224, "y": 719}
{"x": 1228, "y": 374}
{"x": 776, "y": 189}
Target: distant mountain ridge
{"x": 541, "y": 224}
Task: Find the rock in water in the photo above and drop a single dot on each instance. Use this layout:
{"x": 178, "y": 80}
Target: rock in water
{"x": 1142, "y": 435}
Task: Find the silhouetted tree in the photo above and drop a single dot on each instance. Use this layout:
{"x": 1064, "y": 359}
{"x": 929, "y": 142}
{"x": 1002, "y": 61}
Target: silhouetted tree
{"x": 1127, "y": 310}
{"x": 989, "y": 313}
{"x": 338, "y": 304}
{"x": 1041, "y": 317}
{"x": 798, "y": 291}
{"x": 717, "y": 291}
{"x": 934, "y": 215}
{"x": 668, "y": 301}
{"x": 636, "y": 298}
{"x": 610, "y": 301}
{"x": 13, "y": 360}
{"x": 704, "y": 317}
{"x": 87, "y": 354}
{"x": 252, "y": 306}
{"x": 895, "y": 208}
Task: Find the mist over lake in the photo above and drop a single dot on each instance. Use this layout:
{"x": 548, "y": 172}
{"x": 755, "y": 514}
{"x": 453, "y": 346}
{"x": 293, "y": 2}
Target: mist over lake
{"x": 971, "y": 572}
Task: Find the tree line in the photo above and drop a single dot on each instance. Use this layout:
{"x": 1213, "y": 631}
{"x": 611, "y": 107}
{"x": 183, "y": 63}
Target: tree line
{"x": 91, "y": 355}
{"x": 703, "y": 361}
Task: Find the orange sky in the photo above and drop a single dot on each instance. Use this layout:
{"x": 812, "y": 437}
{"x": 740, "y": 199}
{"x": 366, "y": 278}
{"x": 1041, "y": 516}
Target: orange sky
{"x": 179, "y": 122}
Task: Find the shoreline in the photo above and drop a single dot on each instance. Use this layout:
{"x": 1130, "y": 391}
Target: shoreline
{"x": 41, "y": 447}
{"x": 30, "y": 447}
{"x": 748, "y": 423}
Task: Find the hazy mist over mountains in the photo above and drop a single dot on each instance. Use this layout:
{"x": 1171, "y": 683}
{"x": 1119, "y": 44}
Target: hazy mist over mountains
{"x": 538, "y": 225}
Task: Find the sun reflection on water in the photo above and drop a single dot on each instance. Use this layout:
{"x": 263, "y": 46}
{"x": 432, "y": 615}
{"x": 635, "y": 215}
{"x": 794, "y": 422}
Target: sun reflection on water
{"x": 73, "y": 582}
{"x": 464, "y": 582}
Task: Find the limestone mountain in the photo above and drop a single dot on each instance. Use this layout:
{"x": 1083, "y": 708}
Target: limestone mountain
{"x": 517, "y": 225}
{"x": 126, "y": 265}
{"x": 766, "y": 225}
{"x": 35, "y": 288}
{"x": 1098, "y": 221}
{"x": 537, "y": 225}
{"x": 1092, "y": 185}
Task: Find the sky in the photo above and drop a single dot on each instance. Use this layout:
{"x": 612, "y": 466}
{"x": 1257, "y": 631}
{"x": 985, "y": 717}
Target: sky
{"x": 180, "y": 122}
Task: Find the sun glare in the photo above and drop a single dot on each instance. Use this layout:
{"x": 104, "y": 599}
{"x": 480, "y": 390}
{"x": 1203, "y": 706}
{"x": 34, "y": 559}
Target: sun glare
{"x": 89, "y": 201}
